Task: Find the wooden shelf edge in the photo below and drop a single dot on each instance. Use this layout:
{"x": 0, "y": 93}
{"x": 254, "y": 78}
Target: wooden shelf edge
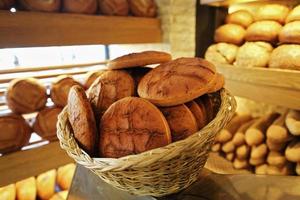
{"x": 25, "y": 29}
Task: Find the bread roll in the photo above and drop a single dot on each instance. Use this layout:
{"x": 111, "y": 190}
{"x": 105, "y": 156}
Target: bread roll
{"x": 286, "y": 57}
{"x": 254, "y": 54}
{"x": 90, "y": 77}
{"x": 40, "y": 5}
{"x": 65, "y": 175}
{"x": 275, "y": 12}
{"x": 275, "y": 146}
{"x": 230, "y": 33}
{"x": 240, "y": 164}
{"x": 45, "y": 123}
{"x": 6, "y": 4}
{"x": 290, "y": 33}
{"x": 60, "y": 89}
{"x": 80, "y": 6}
{"x": 294, "y": 15}
{"x": 114, "y": 7}
{"x": 8, "y": 192}
{"x": 259, "y": 151}
{"x": 230, "y": 156}
{"x": 255, "y": 135}
{"x": 26, "y": 189}
{"x": 276, "y": 158}
{"x": 292, "y": 152}
{"x": 26, "y": 95}
{"x": 277, "y": 132}
{"x": 243, "y": 152}
{"x": 256, "y": 161}
{"x": 15, "y": 133}
{"x": 263, "y": 31}
{"x": 239, "y": 137}
{"x": 292, "y": 122}
{"x": 143, "y": 8}
{"x": 221, "y": 53}
{"x": 45, "y": 183}
{"x": 228, "y": 147}
{"x": 216, "y": 147}
{"x": 240, "y": 17}
{"x": 261, "y": 169}
{"x": 62, "y": 195}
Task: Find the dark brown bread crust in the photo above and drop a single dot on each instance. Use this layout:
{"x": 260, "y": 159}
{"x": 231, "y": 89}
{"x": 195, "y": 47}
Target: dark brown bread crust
{"x": 198, "y": 112}
{"x": 82, "y": 119}
{"x": 40, "y": 5}
{"x": 130, "y": 126}
{"x": 181, "y": 121}
{"x": 114, "y": 7}
{"x": 143, "y": 8}
{"x": 80, "y": 6}
{"x": 90, "y": 77}
{"x": 177, "y": 81}
{"x": 207, "y": 102}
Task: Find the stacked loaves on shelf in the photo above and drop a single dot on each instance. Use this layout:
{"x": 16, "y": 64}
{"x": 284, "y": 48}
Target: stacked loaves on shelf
{"x": 269, "y": 144}
{"x": 138, "y": 8}
{"x": 270, "y": 37}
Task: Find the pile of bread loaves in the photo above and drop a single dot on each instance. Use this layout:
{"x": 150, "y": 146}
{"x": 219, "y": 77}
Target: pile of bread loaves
{"x": 131, "y": 108}
{"x": 53, "y": 185}
{"x": 139, "y": 8}
{"x": 269, "y": 37}
{"x": 267, "y": 145}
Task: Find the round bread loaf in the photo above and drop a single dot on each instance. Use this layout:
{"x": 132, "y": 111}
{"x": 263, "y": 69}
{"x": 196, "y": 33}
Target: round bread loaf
{"x": 6, "y": 4}
{"x": 292, "y": 152}
{"x": 181, "y": 121}
{"x": 221, "y": 53}
{"x": 26, "y": 95}
{"x": 15, "y": 133}
{"x": 45, "y": 123}
{"x": 290, "y": 33}
{"x": 261, "y": 169}
{"x": 82, "y": 120}
{"x": 178, "y": 81}
{"x": 198, "y": 112}
{"x": 139, "y": 59}
{"x": 275, "y": 158}
{"x": 275, "y": 12}
{"x": 217, "y": 84}
{"x": 90, "y": 77}
{"x": 294, "y": 15}
{"x": 230, "y": 33}
{"x": 8, "y": 192}
{"x": 240, "y": 17}
{"x": 130, "y": 126}
{"x": 114, "y": 7}
{"x": 263, "y": 31}
{"x": 40, "y": 5}
{"x": 254, "y": 54}
{"x": 80, "y": 6}
{"x": 65, "y": 175}
{"x": 143, "y": 8}
{"x": 45, "y": 184}
{"x": 60, "y": 89}
{"x": 286, "y": 57}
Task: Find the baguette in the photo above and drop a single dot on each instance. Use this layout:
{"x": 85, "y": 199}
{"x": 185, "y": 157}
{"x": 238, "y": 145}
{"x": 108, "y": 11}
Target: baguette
{"x": 277, "y": 132}
{"x": 292, "y": 152}
{"x": 261, "y": 169}
{"x": 243, "y": 152}
{"x": 228, "y": 147}
{"x": 239, "y": 137}
{"x": 292, "y": 122}
{"x": 255, "y": 135}
{"x": 276, "y": 159}
{"x": 229, "y": 156}
{"x": 259, "y": 152}
{"x": 216, "y": 147}
{"x": 256, "y": 161}
{"x": 240, "y": 164}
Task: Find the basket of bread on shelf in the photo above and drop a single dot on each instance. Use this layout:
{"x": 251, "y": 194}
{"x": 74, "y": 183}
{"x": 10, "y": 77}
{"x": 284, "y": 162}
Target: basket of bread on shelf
{"x": 146, "y": 123}
{"x": 265, "y": 36}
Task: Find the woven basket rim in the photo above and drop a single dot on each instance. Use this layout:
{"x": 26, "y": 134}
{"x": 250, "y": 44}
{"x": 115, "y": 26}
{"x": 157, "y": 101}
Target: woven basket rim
{"x": 142, "y": 159}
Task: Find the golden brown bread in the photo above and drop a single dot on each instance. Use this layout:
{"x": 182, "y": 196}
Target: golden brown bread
{"x": 181, "y": 121}
{"x": 15, "y": 133}
{"x": 292, "y": 152}
{"x": 40, "y": 5}
{"x": 243, "y": 152}
{"x": 45, "y": 184}
{"x": 114, "y": 7}
{"x": 230, "y": 33}
{"x": 224, "y": 53}
{"x": 130, "y": 126}
{"x": 275, "y": 146}
{"x": 239, "y": 137}
{"x": 82, "y": 120}
{"x": 137, "y": 73}
{"x": 256, "y": 161}
{"x": 198, "y": 112}
{"x": 228, "y": 147}
{"x": 60, "y": 89}
{"x": 139, "y": 59}
{"x": 229, "y": 156}
{"x": 26, "y": 189}
{"x": 8, "y": 192}
{"x": 65, "y": 175}
{"x": 263, "y": 31}
{"x": 259, "y": 151}
{"x": 216, "y": 147}
{"x": 143, "y": 8}
{"x": 240, "y": 17}
{"x": 217, "y": 84}
{"x": 240, "y": 163}
{"x": 275, "y": 12}
{"x": 294, "y": 15}
{"x": 90, "y": 77}
{"x": 286, "y": 57}
{"x": 284, "y": 170}
{"x": 62, "y": 195}
{"x": 26, "y": 95}
{"x": 292, "y": 122}
{"x": 261, "y": 169}
{"x": 45, "y": 123}
{"x": 276, "y": 158}
{"x": 6, "y": 4}
{"x": 80, "y": 6}
{"x": 277, "y": 132}
{"x": 178, "y": 81}
{"x": 290, "y": 33}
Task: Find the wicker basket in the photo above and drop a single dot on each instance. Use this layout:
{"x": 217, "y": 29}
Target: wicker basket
{"x": 157, "y": 172}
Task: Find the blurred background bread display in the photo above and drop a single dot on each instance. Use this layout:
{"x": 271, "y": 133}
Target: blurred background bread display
{"x": 142, "y": 8}
{"x": 276, "y": 12}
{"x": 240, "y": 17}
{"x": 263, "y": 31}
{"x": 114, "y": 7}
{"x": 80, "y": 6}
{"x": 15, "y": 132}
{"x": 292, "y": 122}
{"x": 294, "y": 15}
{"x": 40, "y": 5}
{"x": 65, "y": 175}
{"x": 60, "y": 89}
{"x": 26, "y": 95}
{"x": 6, "y": 4}
{"x": 26, "y": 189}
{"x": 8, "y": 192}
{"x": 45, "y": 184}
{"x": 45, "y": 123}
{"x": 221, "y": 53}
{"x": 286, "y": 57}
{"x": 230, "y": 33}
{"x": 290, "y": 33}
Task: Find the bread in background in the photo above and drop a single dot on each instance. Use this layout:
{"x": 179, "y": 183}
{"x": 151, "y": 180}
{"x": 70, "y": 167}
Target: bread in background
{"x": 8, "y": 192}
{"x": 275, "y": 12}
{"x": 223, "y": 53}
{"x": 40, "y": 5}
{"x": 65, "y": 175}
{"x": 290, "y": 33}
{"x": 294, "y": 15}
{"x": 240, "y": 17}
{"x": 143, "y": 8}
{"x": 26, "y": 189}
{"x": 230, "y": 33}
{"x": 45, "y": 183}
{"x": 286, "y": 57}
{"x": 80, "y": 6}
{"x": 114, "y": 7}
{"x": 263, "y": 31}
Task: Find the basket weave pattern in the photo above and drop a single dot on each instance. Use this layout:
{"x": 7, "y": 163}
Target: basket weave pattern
{"x": 157, "y": 172}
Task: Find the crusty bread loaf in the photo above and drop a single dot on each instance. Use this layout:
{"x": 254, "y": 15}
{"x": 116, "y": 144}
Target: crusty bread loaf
{"x": 286, "y": 57}
{"x": 276, "y": 12}
{"x": 224, "y": 53}
{"x": 294, "y": 15}
{"x": 240, "y": 17}
{"x": 143, "y": 8}
{"x": 114, "y": 7}
{"x": 40, "y": 5}
{"x": 80, "y": 6}
{"x": 230, "y": 33}
{"x": 263, "y": 31}
{"x": 290, "y": 33}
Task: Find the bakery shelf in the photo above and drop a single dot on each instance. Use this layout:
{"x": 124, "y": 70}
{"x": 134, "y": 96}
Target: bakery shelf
{"x": 273, "y": 86}
{"x": 23, "y": 164}
{"x": 25, "y": 29}
{"x": 231, "y": 2}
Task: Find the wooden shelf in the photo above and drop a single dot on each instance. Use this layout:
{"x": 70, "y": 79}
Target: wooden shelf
{"x": 274, "y": 86}
{"x": 27, "y": 29}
